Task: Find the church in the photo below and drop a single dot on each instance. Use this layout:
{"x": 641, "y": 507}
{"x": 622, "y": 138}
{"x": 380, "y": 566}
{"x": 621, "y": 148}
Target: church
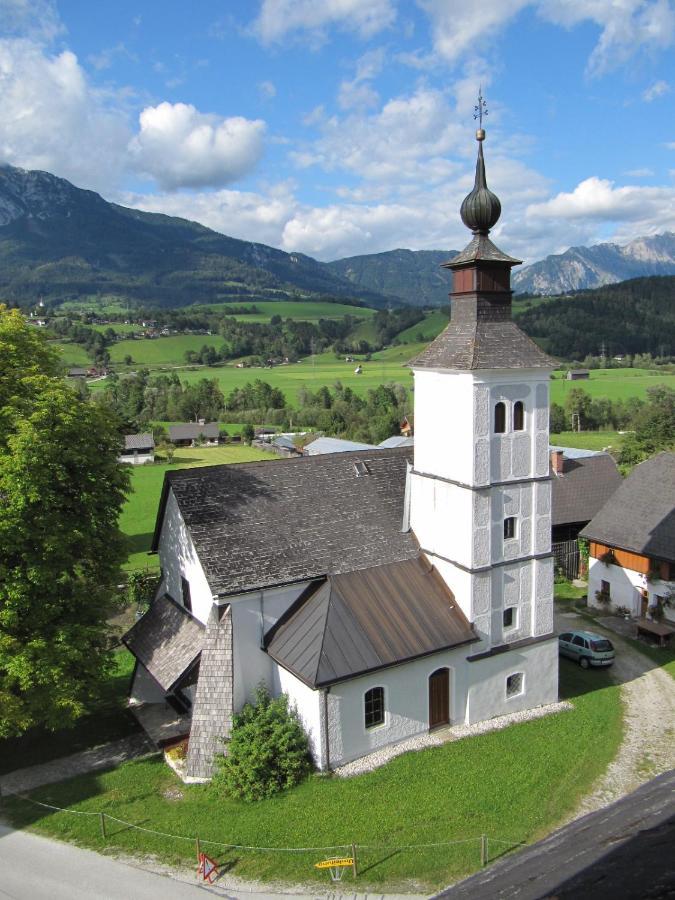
{"x": 386, "y": 592}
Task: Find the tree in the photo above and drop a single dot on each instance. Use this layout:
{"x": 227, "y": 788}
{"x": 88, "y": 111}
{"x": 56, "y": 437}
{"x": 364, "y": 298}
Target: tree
{"x": 267, "y": 752}
{"x": 60, "y": 547}
{"x": 248, "y": 433}
{"x": 653, "y": 427}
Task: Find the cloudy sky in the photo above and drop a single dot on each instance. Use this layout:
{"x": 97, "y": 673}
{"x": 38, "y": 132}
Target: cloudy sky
{"x": 340, "y": 127}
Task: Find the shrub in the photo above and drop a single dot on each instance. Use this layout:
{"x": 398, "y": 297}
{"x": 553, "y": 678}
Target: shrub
{"x": 603, "y": 598}
{"x": 267, "y": 751}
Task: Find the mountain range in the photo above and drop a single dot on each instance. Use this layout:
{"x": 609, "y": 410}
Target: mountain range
{"x": 61, "y": 242}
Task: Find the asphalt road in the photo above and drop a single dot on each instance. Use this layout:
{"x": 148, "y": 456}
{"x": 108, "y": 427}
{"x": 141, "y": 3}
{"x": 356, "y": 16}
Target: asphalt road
{"x": 625, "y": 851}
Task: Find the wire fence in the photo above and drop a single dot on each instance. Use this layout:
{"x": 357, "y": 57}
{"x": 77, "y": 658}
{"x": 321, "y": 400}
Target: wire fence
{"x": 481, "y": 842}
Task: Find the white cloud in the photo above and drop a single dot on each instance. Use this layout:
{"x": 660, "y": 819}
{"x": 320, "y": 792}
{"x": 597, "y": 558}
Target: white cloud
{"x": 639, "y": 173}
{"x": 633, "y": 210}
{"x": 267, "y": 90}
{"x": 180, "y": 147}
{"x": 279, "y": 18}
{"x": 51, "y": 118}
{"x": 34, "y": 19}
{"x": 626, "y": 26}
{"x": 357, "y": 93}
{"x": 658, "y": 89}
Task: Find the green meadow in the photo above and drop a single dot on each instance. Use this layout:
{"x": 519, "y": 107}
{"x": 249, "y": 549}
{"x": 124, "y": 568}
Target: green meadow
{"x": 137, "y": 520}
{"x": 612, "y": 384}
{"x": 303, "y": 311}
{"x": 72, "y": 354}
{"x": 162, "y": 351}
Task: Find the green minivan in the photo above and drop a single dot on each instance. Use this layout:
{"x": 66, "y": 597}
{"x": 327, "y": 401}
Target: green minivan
{"x": 587, "y": 648}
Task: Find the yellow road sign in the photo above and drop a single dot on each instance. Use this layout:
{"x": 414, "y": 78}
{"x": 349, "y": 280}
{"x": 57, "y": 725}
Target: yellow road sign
{"x": 335, "y": 863}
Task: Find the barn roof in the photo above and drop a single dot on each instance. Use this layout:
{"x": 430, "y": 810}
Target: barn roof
{"x": 287, "y": 520}
{"x": 366, "y": 620}
{"x": 193, "y": 430}
{"x": 586, "y": 484}
{"x": 334, "y": 445}
{"x": 640, "y": 515}
{"x": 167, "y": 641}
{"x": 138, "y": 441}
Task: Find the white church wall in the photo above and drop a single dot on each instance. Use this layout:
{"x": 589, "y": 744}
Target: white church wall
{"x": 487, "y": 690}
{"x": 543, "y": 597}
{"x": 308, "y": 704}
{"x": 441, "y": 516}
{"x": 444, "y": 404}
{"x": 178, "y": 558}
{"x": 459, "y": 582}
{"x": 252, "y": 616}
{"x": 144, "y": 688}
{"x": 406, "y": 700}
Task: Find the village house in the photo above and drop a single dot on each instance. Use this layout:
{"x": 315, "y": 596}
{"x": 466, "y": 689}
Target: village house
{"x": 191, "y": 433}
{"x": 632, "y": 545}
{"x": 138, "y": 449}
{"x": 385, "y": 591}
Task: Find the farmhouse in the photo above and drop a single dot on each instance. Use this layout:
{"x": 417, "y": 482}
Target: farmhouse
{"x": 138, "y": 449}
{"x": 189, "y": 434}
{"x": 578, "y": 375}
{"x": 386, "y": 591}
{"x": 632, "y": 543}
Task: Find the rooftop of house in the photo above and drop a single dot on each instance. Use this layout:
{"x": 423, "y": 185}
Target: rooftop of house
{"x": 640, "y": 514}
{"x": 167, "y": 641}
{"x": 350, "y": 624}
{"x": 191, "y": 431}
{"x": 139, "y": 441}
{"x": 586, "y": 483}
{"x": 281, "y": 521}
{"x": 334, "y": 445}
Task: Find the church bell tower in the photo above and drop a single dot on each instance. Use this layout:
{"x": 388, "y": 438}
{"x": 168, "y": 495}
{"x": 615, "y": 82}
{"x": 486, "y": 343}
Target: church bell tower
{"x": 480, "y": 494}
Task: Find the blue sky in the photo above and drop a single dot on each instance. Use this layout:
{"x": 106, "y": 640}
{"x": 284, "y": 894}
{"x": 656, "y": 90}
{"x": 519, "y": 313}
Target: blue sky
{"x": 339, "y": 127}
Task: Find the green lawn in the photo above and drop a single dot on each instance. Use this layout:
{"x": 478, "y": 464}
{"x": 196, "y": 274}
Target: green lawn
{"x": 138, "y": 516}
{"x": 612, "y": 384}
{"x": 588, "y": 440}
{"x": 429, "y": 328}
{"x": 109, "y": 720}
{"x": 450, "y": 793}
{"x": 162, "y": 351}
{"x": 73, "y": 354}
{"x": 304, "y": 311}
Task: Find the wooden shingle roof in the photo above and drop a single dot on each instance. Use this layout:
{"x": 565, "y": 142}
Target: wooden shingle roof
{"x": 366, "y": 620}
{"x": 261, "y": 524}
{"x": 640, "y": 515}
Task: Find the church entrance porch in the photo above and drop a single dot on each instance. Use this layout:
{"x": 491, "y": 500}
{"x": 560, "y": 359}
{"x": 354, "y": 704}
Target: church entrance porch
{"x": 439, "y": 698}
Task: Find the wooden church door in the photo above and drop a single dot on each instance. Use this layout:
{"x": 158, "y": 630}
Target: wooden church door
{"x": 439, "y": 698}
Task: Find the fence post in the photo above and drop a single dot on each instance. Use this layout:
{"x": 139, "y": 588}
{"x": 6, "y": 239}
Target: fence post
{"x": 483, "y": 849}
{"x": 354, "y": 865}
{"x": 103, "y": 832}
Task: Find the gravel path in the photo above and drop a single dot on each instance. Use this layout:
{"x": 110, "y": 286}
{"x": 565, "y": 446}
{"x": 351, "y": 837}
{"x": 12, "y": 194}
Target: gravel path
{"x": 648, "y": 745}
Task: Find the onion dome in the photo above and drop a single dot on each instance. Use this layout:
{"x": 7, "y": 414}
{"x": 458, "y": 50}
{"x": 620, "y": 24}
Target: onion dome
{"x": 480, "y": 209}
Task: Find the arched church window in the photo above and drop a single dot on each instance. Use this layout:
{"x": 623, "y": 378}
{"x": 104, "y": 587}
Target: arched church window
{"x": 518, "y": 416}
{"x": 500, "y": 418}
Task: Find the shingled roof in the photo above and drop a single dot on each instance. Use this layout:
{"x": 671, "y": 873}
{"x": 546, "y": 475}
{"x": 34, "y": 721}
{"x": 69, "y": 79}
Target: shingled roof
{"x": 266, "y": 523}
{"x": 480, "y": 247}
{"x": 139, "y": 441}
{"x": 482, "y": 345}
{"x": 167, "y": 641}
{"x": 640, "y": 515}
{"x": 192, "y": 431}
{"x": 585, "y": 485}
{"x": 366, "y": 620}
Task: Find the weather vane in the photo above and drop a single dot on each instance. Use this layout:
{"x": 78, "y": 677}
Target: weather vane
{"x": 480, "y": 110}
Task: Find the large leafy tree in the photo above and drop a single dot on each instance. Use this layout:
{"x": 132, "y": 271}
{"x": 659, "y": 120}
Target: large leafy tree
{"x": 61, "y": 490}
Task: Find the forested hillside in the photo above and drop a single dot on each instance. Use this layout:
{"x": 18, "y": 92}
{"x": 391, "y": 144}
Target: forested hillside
{"x": 636, "y": 316}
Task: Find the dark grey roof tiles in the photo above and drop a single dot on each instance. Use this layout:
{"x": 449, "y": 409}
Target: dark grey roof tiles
{"x": 584, "y": 487}
{"x": 284, "y": 520}
{"x": 479, "y": 247}
{"x": 167, "y": 640}
{"x": 640, "y": 515}
{"x": 482, "y": 345}
{"x": 192, "y": 431}
{"x": 139, "y": 441}
{"x": 367, "y": 620}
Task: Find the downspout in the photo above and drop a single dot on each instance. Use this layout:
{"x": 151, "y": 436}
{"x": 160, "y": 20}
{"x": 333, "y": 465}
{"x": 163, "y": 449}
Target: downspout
{"x": 262, "y": 620}
{"x": 326, "y": 736}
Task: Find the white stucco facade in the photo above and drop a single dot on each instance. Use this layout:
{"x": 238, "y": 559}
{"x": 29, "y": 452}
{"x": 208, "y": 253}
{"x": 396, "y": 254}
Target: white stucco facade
{"x": 626, "y": 588}
{"x": 136, "y": 459}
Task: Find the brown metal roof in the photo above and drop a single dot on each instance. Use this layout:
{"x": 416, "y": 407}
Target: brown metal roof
{"x": 366, "y": 620}
{"x": 167, "y": 641}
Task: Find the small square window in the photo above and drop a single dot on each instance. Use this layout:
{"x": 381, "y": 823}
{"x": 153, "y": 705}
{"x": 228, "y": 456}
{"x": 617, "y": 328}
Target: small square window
{"x": 509, "y": 527}
{"x": 509, "y": 617}
{"x": 374, "y": 707}
{"x": 514, "y": 684}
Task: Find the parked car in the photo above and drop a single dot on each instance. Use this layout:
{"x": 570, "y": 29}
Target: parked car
{"x": 587, "y": 648}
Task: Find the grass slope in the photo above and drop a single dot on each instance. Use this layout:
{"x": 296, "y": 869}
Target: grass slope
{"x": 613, "y": 384}
{"x": 303, "y": 311}
{"x": 514, "y": 785}
{"x": 589, "y": 440}
{"x": 137, "y": 520}
{"x": 164, "y": 351}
